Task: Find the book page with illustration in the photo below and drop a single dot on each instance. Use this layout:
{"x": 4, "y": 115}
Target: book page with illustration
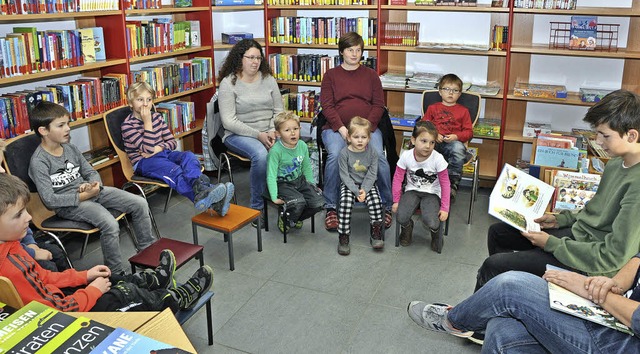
{"x": 519, "y": 198}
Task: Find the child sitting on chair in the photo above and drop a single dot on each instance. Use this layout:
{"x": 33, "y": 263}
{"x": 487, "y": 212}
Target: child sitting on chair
{"x": 454, "y": 127}
{"x": 289, "y": 175}
{"x": 71, "y": 187}
{"x": 427, "y": 186}
{"x": 358, "y": 171}
{"x": 150, "y": 147}
{"x": 150, "y": 290}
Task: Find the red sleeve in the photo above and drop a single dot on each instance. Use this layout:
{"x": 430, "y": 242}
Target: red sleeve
{"x": 467, "y": 126}
{"x": 328, "y": 103}
{"x": 377, "y": 103}
{"x": 445, "y": 190}
{"x": 396, "y": 187}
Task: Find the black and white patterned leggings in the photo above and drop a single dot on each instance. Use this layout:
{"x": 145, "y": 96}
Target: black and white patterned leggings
{"x": 345, "y": 206}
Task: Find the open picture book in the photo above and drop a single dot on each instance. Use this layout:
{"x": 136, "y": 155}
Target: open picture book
{"x": 519, "y": 198}
{"x": 563, "y": 300}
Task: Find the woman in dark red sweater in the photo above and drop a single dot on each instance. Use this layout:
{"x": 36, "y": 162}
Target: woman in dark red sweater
{"x": 351, "y": 90}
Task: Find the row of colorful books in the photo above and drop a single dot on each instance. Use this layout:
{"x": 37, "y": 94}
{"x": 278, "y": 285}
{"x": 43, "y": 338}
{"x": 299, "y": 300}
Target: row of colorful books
{"x": 318, "y": 2}
{"x": 545, "y": 4}
{"x": 83, "y": 98}
{"x": 160, "y": 36}
{"x": 499, "y": 37}
{"x": 304, "y": 103}
{"x": 142, "y": 4}
{"x": 24, "y": 7}
{"x": 180, "y": 116}
{"x": 561, "y": 150}
{"x": 39, "y": 328}
{"x": 401, "y": 34}
{"x": 171, "y": 78}
{"x": 308, "y": 67}
{"x": 320, "y": 30}
{"x": 27, "y": 50}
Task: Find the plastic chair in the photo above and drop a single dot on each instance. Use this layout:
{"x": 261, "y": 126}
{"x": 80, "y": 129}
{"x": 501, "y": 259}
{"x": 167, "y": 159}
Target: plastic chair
{"x": 472, "y": 102}
{"x": 17, "y": 157}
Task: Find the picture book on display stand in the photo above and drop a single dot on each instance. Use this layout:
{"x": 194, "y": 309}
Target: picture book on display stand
{"x": 519, "y": 198}
{"x": 573, "y": 189}
{"x": 563, "y": 300}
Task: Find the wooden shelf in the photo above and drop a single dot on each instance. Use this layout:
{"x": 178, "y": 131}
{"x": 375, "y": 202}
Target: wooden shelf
{"x": 443, "y": 51}
{"x": 181, "y": 94}
{"x": 410, "y": 90}
{"x": 168, "y": 10}
{"x": 299, "y": 83}
{"x": 414, "y": 7}
{"x": 61, "y": 72}
{"x": 543, "y": 49}
{"x": 512, "y": 135}
{"x": 105, "y": 164}
{"x": 218, "y": 45}
{"x": 199, "y": 125}
{"x": 314, "y": 46}
{"x": 573, "y": 98}
{"x": 322, "y": 7}
{"x": 63, "y": 16}
{"x": 597, "y": 11}
{"x": 215, "y": 8}
{"x": 168, "y": 54}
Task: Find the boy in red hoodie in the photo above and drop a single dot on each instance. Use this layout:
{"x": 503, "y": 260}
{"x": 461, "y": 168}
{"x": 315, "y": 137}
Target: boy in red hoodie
{"x": 96, "y": 289}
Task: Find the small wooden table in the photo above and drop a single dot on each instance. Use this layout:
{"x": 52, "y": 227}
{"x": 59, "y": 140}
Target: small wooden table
{"x": 154, "y": 325}
{"x": 237, "y": 218}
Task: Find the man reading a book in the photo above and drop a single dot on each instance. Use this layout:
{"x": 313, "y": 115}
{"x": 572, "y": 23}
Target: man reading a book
{"x": 602, "y": 237}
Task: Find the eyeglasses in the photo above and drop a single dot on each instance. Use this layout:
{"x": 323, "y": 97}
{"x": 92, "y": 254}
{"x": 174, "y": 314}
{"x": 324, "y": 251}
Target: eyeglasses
{"x": 252, "y": 58}
{"x": 450, "y": 90}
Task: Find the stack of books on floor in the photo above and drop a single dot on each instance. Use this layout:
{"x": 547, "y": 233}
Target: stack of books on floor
{"x": 39, "y": 328}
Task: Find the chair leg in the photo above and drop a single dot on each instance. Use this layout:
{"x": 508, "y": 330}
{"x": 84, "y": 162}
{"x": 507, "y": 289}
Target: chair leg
{"x": 166, "y": 202}
{"x": 84, "y": 245}
{"x": 226, "y": 163}
{"x": 265, "y": 210}
{"x": 209, "y": 322}
{"x": 446, "y": 227}
{"x": 397, "y": 234}
{"x": 131, "y": 233}
{"x": 474, "y": 189}
{"x": 59, "y": 243}
{"x": 313, "y": 224}
{"x": 285, "y": 221}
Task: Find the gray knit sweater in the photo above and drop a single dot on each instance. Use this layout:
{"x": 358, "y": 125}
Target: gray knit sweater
{"x": 248, "y": 109}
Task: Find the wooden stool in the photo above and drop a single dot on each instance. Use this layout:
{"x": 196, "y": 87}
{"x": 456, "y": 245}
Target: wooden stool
{"x": 237, "y": 218}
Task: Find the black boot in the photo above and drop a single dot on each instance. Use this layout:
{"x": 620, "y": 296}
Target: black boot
{"x": 343, "y": 245}
{"x": 455, "y": 181}
{"x": 437, "y": 240}
{"x": 377, "y": 238}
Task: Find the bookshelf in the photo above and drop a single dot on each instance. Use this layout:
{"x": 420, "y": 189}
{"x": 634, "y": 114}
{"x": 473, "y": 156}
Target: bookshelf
{"x": 92, "y": 128}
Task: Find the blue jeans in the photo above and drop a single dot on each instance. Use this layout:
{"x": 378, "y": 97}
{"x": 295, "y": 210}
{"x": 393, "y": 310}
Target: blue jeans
{"x": 252, "y": 149}
{"x": 178, "y": 169}
{"x": 94, "y": 211}
{"x": 514, "y": 309}
{"x": 333, "y": 143}
{"x": 455, "y": 153}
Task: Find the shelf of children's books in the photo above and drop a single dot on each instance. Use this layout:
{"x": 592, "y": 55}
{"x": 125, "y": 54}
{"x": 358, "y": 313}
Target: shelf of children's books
{"x": 218, "y": 45}
{"x": 322, "y": 7}
{"x": 181, "y": 94}
{"x": 164, "y": 11}
{"x": 313, "y": 46}
{"x": 573, "y": 99}
{"x": 431, "y": 49}
{"x": 516, "y": 136}
{"x": 412, "y": 90}
{"x": 544, "y": 49}
{"x": 597, "y": 11}
{"x": 60, "y": 72}
{"x": 107, "y": 163}
{"x": 414, "y": 7}
{"x": 299, "y": 83}
{"x": 75, "y": 123}
{"x": 237, "y": 8}
{"x": 486, "y": 137}
{"x": 199, "y": 125}
{"x": 61, "y": 16}
{"x": 169, "y": 54}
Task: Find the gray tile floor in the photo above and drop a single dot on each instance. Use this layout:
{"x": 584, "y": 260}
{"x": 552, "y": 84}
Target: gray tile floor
{"x": 302, "y": 297}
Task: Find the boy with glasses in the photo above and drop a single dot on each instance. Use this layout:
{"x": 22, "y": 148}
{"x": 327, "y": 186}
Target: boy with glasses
{"x": 454, "y": 127}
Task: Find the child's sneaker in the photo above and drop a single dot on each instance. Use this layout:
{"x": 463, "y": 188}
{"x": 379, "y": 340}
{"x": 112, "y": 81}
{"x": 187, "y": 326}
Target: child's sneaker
{"x": 434, "y": 317}
{"x": 162, "y": 276}
{"x": 281, "y": 226}
{"x": 298, "y": 225}
{"x": 437, "y": 241}
{"x": 222, "y": 206}
{"x": 331, "y": 220}
{"x": 208, "y": 196}
{"x": 406, "y": 234}
{"x": 343, "y": 245}
{"x": 188, "y": 293}
{"x": 376, "y": 235}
